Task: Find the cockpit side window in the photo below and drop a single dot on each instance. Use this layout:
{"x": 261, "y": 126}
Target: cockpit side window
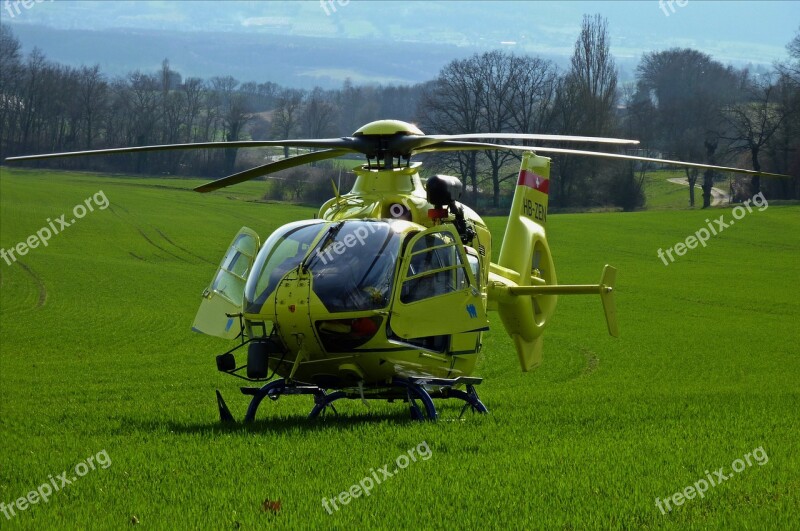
{"x": 474, "y": 264}
{"x": 230, "y": 279}
{"x": 435, "y": 269}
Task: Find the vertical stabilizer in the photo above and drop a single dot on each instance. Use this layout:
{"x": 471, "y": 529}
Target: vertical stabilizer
{"x": 525, "y": 251}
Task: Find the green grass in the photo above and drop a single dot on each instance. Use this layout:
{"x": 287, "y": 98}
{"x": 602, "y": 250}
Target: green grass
{"x": 96, "y": 354}
{"x": 661, "y": 194}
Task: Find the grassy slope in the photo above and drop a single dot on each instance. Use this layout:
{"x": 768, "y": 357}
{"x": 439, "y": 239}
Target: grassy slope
{"x": 706, "y": 370}
{"x": 661, "y": 194}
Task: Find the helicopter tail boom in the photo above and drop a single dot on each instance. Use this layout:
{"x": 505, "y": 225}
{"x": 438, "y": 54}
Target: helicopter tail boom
{"x": 522, "y": 284}
{"x": 605, "y": 289}
{"x": 525, "y": 260}
{"x": 513, "y": 301}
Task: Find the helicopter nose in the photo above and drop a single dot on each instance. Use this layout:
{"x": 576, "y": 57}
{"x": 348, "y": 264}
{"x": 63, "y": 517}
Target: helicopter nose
{"x": 292, "y": 312}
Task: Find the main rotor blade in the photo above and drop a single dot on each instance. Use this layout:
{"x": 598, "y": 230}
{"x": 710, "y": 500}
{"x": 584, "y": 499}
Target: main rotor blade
{"x": 272, "y": 167}
{"x": 472, "y": 146}
{"x": 412, "y": 143}
{"x": 456, "y": 145}
{"x": 663, "y": 161}
{"x": 351, "y": 144}
{"x": 527, "y": 136}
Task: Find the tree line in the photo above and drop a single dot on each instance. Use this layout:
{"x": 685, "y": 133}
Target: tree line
{"x": 683, "y": 104}
{"x": 48, "y": 107}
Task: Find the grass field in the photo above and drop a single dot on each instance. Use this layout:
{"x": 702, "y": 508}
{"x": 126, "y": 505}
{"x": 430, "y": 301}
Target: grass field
{"x": 661, "y": 194}
{"x": 97, "y": 359}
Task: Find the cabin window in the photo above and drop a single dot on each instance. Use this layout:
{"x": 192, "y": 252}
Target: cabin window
{"x": 232, "y": 275}
{"x": 435, "y": 269}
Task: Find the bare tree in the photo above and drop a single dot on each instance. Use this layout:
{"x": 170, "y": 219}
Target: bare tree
{"x": 489, "y": 92}
{"x": 687, "y": 90}
{"x": 143, "y": 100}
{"x": 451, "y": 105}
{"x": 192, "y": 90}
{"x": 533, "y": 91}
{"x": 32, "y": 89}
{"x": 752, "y": 123}
{"x": 268, "y": 92}
{"x": 398, "y": 101}
{"x": 10, "y": 90}
{"x": 585, "y": 104}
{"x": 568, "y": 116}
{"x": 286, "y": 117}
{"x": 92, "y": 97}
{"x": 233, "y": 111}
{"x": 593, "y": 72}
{"x": 496, "y": 70}
{"x": 171, "y": 105}
{"x": 318, "y": 115}
{"x": 791, "y": 68}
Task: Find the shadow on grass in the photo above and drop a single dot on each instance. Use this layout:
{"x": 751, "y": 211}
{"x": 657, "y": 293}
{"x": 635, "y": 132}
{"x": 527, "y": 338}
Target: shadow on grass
{"x": 278, "y": 424}
{"x": 284, "y": 423}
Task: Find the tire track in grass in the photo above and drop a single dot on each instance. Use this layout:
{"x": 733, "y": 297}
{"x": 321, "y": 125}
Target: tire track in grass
{"x": 142, "y": 233}
{"x": 592, "y": 361}
{"x": 585, "y": 368}
{"x": 42, "y": 299}
{"x": 168, "y": 240}
{"x": 154, "y": 244}
{"x": 187, "y": 251}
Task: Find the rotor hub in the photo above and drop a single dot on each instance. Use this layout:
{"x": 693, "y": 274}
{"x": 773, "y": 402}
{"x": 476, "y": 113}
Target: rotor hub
{"x": 388, "y": 128}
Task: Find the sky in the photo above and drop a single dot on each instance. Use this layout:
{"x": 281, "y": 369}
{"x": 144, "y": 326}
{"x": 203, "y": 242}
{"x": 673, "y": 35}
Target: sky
{"x": 733, "y": 32}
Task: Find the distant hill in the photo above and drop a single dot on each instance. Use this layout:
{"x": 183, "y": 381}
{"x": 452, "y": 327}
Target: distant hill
{"x": 301, "y": 62}
{"x": 303, "y": 44}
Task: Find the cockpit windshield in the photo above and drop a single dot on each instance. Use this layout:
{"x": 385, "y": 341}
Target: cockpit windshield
{"x": 282, "y": 252}
{"x": 353, "y": 266}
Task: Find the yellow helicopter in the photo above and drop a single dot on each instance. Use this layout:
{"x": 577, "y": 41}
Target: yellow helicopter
{"x": 385, "y": 295}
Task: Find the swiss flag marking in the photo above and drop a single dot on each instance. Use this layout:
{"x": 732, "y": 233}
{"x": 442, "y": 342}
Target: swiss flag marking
{"x": 532, "y": 180}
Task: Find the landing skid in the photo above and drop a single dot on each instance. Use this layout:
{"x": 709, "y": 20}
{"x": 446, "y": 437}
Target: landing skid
{"x": 415, "y": 391}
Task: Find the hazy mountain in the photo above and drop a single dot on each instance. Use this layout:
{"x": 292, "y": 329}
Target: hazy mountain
{"x": 307, "y": 43}
{"x": 290, "y": 61}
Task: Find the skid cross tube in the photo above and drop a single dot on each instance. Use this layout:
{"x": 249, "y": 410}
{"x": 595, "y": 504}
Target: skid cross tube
{"x": 274, "y": 390}
{"x": 411, "y": 390}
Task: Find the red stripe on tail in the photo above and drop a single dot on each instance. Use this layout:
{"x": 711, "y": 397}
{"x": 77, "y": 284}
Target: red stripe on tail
{"x": 532, "y": 180}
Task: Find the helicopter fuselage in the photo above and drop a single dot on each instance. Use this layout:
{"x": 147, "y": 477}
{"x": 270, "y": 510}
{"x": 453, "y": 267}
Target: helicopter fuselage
{"x": 338, "y": 301}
